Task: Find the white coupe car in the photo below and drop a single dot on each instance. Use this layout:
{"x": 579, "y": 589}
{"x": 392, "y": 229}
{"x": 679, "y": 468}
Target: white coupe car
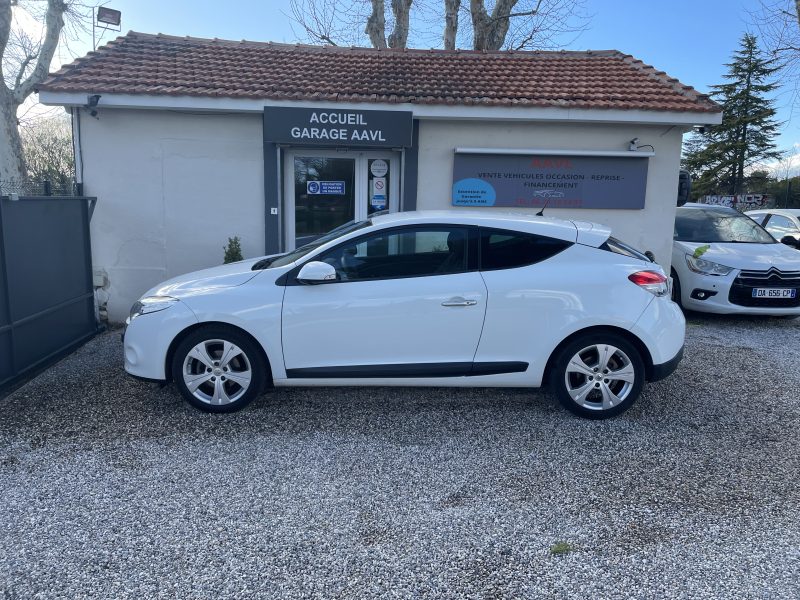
{"x": 419, "y": 298}
{"x": 724, "y": 262}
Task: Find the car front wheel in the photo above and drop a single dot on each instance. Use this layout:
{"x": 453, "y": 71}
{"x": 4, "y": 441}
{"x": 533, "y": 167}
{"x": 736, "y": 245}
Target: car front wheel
{"x": 598, "y": 376}
{"x": 218, "y": 369}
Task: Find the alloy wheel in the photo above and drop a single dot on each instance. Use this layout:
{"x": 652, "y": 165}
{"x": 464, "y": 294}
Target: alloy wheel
{"x": 599, "y": 377}
{"x": 217, "y": 372}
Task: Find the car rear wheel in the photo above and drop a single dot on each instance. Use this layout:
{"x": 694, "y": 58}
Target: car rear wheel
{"x": 598, "y": 376}
{"x": 218, "y": 369}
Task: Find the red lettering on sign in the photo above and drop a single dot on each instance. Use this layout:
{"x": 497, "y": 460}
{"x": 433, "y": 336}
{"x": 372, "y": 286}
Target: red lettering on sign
{"x": 551, "y": 163}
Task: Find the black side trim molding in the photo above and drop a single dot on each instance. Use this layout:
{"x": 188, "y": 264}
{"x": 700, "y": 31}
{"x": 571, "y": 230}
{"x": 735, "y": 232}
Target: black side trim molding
{"x": 451, "y": 369}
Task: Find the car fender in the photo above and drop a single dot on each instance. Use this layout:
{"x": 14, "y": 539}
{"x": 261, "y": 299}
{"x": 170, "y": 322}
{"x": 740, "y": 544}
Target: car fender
{"x": 254, "y": 307}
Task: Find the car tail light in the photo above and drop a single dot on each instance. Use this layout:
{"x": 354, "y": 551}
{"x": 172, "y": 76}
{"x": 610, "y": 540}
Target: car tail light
{"x": 653, "y": 281}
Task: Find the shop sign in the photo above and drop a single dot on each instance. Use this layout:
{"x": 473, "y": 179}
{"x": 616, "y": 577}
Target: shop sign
{"x": 554, "y": 181}
{"x": 334, "y": 127}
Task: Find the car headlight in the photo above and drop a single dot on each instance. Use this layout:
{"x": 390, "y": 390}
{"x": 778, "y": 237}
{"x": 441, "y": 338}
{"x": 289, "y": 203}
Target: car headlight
{"x": 706, "y": 267}
{"x": 151, "y": 304}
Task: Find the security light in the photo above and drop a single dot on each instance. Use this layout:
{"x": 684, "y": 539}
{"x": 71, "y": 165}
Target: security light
{"x": 109, "y": 16}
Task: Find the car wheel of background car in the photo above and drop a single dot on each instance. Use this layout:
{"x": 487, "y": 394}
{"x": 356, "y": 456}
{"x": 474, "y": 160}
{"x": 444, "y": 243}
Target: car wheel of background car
{"x": 676, "y": 288}
{"x": 218, "y": 369}
{"x": 598, "y": 375}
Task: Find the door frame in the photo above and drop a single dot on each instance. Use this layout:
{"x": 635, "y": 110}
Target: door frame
{"x": 361, "y": 195}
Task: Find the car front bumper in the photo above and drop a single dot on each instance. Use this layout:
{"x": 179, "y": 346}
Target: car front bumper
{"x": 720, "y": 302}
{"x": 147, "y": 339}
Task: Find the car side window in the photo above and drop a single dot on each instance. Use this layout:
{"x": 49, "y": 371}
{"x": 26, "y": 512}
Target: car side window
{"x": 501, "y": 249}
{"x": 406, "y": 252}
{"x": 780, "y": 226}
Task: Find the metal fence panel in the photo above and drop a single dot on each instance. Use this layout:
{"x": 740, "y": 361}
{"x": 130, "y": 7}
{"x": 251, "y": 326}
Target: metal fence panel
{"x": 46, "y": 294}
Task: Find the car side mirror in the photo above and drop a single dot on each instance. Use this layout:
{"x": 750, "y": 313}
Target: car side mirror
{"x": 790, "y": 241}
{"x": 316, "y": 272}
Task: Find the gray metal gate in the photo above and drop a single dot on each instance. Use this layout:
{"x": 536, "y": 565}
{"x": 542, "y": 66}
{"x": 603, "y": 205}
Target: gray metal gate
{"x": 46, "y": 293}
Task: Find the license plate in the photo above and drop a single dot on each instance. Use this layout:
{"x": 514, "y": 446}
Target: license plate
{"x": 774, "y": 293}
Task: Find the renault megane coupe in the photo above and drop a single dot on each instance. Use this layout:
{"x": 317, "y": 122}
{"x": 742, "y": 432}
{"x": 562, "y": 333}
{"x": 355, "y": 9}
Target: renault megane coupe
{"x": 419, "y": 299}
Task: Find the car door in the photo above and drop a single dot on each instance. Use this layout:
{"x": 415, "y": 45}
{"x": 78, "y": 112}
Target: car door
{"x": 406, "y": 304}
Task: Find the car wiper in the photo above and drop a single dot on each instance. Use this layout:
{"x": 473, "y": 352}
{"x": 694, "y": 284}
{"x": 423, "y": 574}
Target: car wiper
{"x": 263, "y": 263}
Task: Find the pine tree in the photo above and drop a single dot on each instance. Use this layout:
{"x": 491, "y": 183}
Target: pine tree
{"x": 719, "y": 158}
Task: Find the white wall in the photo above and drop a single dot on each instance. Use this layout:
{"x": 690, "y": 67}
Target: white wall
{"x": 647, "y": 229}
{"x": 171, "y": 188}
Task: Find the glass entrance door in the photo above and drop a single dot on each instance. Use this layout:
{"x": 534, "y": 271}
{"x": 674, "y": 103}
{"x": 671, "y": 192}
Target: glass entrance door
{"x": 325, "y": 189}
{"x": 324, "y": 195}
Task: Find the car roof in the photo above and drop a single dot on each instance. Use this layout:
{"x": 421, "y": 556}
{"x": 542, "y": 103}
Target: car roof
{"x": 698, "y": 205}
{"x": 530, "y": 222}
{"x": 792, "y": 212}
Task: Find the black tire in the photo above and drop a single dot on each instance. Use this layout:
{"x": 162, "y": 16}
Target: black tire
{"x": 221, "y": 387}
{"x": 588, "y": 347}
{"x": 676, "y": 288}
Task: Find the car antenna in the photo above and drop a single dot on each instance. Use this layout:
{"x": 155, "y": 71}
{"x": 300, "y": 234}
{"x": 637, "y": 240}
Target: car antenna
{"x": 541, "y": 212}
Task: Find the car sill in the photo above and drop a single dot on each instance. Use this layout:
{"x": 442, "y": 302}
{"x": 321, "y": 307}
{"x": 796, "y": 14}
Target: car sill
{"x": 411, "y": 370}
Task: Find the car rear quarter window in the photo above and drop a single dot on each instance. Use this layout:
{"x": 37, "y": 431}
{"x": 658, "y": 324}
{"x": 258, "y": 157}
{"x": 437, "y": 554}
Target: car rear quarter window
{"x": 620, "y": 247}
{"x": 502, "y": 249}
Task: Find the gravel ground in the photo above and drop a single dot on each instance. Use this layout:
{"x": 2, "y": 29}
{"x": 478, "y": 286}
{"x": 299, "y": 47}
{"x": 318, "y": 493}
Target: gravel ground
{"x": 116, "y": 488}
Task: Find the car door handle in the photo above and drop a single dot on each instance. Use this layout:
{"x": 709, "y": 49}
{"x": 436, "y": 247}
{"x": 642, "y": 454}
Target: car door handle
{"x": 459, "y": 302}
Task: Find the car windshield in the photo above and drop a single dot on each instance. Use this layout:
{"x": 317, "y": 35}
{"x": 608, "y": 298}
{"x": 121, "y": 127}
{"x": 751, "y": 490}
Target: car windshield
{"x": 713, "y": 225}
{"x": 298, "y": 253}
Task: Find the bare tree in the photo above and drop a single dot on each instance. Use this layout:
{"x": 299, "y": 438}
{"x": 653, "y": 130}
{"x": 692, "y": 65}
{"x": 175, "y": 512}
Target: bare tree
{"x": 451, "y": 8}
{"x": 477, "y": 24}
{"x": 24, "y": 63}
{"x": 338, "y": 23}
{"x": 778, "y": 23}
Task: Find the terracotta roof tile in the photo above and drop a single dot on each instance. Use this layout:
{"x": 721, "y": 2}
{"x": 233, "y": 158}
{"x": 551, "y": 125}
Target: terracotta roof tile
{"x": 139, "y": 63}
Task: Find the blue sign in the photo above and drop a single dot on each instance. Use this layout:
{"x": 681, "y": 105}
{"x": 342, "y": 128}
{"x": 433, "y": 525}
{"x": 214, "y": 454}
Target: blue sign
{"x": 325, "y": 187}
{"x": 473, "y": 192}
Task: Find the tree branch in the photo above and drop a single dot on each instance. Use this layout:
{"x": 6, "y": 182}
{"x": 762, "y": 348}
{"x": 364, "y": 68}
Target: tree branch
{"x": 22, "y": 67}
{"x": 5, "y": 32}
{"x": 54, "y": 22}
{"x": 527, "y": 13}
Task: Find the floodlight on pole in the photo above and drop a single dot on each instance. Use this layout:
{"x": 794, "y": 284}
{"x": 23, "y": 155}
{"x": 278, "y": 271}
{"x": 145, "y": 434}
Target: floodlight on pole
{"x": 107, "y": 19}
{"x": 109, "y": 16}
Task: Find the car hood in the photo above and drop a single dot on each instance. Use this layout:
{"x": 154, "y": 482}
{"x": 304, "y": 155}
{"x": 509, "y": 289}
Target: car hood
{"x": 755, "y": 257}
{"x": 225, "y": 276}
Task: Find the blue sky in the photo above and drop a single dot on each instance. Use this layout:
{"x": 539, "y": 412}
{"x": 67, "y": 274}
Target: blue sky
{"x": 690, "y": 40}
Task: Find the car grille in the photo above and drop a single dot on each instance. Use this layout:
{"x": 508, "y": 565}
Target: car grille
{"x": 742, "y": 289}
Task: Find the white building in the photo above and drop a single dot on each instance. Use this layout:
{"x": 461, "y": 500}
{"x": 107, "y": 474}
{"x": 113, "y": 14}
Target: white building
{"x": 187, "y": 142}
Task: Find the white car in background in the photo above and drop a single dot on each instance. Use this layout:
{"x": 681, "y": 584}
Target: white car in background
{"x": 419, "y": 298}
{"x": 724, "y": 262}
{"x": 782, "y": 223}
